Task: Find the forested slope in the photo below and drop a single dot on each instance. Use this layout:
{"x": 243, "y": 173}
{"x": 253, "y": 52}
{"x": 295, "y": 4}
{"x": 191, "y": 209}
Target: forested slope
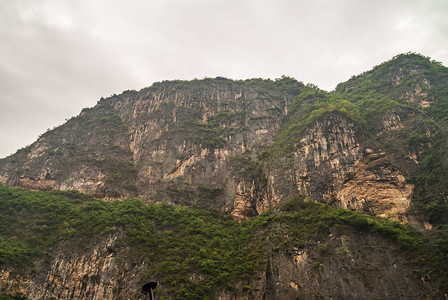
{"x": 220, "y": 188}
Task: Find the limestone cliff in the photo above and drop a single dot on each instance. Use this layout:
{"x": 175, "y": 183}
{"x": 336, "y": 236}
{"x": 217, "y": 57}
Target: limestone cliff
{"x": 178, "y": 142}
{"x": 376, "y": 144}
{"x": 200, "y": 144}
{"x": 173, "y": 142}
{"x": 340, "y": 265}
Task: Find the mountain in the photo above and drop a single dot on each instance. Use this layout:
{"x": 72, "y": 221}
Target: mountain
{"x": 240, "y": 161}
{"x": 175, "y": 142}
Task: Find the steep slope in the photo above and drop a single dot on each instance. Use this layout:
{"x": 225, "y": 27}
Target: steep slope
{"x": 254, "y": 151}
{"x": 90, "y": 153}
{"x": 304, "y": 250}
{"x": 244, "y": 146}
{"x": 375, "y": 144}
{"x": 177, "y": 142}
{"x": 410, "y": 92}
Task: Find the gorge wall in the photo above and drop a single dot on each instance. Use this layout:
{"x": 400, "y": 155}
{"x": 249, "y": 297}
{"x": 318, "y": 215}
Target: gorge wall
{"x": 174, "y": 142}
{"x": 244, "y": 148}
{"x": 201, "y": 144}
{"x": 339, "y": 265}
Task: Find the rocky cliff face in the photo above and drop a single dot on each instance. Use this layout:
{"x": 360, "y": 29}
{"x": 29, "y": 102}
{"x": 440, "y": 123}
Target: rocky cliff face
{"x": 199, "y": 144}
{"x": 341, "y": 265}
{"x": 174, "y": 142}
{"x": 243, "y": 148}
{"x": 98, "y": 273}
{"x": 90, "y": 153}
{"x": 185, "y": 142}
{"x": 322, "y": 157}
{"x": 338, "y": 267}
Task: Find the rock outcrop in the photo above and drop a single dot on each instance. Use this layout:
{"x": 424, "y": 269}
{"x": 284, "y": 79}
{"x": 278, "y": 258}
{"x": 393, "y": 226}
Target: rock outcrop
{"x": 340, "y": 265}
{"x": 243, "y": 148}
{"x": 179, "y": 142}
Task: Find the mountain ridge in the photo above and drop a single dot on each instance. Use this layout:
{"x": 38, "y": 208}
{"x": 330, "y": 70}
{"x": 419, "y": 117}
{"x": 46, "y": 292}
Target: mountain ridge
{"x": 264, "y": 117}
{"x": 300, "y": 178}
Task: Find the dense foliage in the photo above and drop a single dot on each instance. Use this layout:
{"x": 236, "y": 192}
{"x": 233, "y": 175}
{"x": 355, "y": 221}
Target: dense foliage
{"x": 196, "y": 252}
{"x": 17, "y": 296}
{"x": 431, "y": 189}
{"x": 394, "y": 87}
{"x": 403, "y": 82}
{"x": 179, "y": 242}
{"x": 313, "y": 104}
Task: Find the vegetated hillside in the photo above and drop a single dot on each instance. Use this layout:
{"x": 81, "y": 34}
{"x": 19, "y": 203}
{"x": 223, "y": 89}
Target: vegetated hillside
{"x": 69, "y": 245}
{"x": 374, "y": 144}
{"x": 176, "y": 142}
{"x": 416, "y": 90}
{"x": 377, "y": 145}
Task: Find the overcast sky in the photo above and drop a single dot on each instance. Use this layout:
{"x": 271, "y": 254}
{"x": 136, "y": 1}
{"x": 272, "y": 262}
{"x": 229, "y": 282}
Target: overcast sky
{"x": 58, "y": 56}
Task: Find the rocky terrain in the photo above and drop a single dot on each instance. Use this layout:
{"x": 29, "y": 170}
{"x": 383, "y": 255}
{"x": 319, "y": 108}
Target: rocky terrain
{"x": 375, "y": 145}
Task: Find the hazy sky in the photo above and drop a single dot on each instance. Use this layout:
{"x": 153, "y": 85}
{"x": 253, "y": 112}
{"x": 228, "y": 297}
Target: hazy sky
{"x": 58, "y": 56}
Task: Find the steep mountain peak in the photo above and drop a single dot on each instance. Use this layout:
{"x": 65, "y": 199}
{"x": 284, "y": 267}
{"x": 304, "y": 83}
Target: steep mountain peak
{"x": 258, "y": 150}
{"x": 244, "y": 146}
{"x": 184, "y": 142}
{"x": 285, "y": 83}
{"x": 401, "y": 65}
{"x": 407, "y": 78}
{"x": 409, "y": 59}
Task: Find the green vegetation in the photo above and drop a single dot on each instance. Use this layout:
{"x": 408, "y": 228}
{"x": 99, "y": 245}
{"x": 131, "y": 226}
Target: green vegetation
{"x": 283, "y": 84}
{"x": 431, "y": 184}
{"x": 404, "y": 75}
{"x": 402, "y": 82}
{"x": 193, "y": 252}
{"x": 309, "y": 106}
{"x": 179, "y": 242}
{"x": 194, "y": 195}
{"x": 212, "y": 134}
{"x": 316, "y": 217}
{"x": 249, "y": 169}
{"x": 438, "y": 77}
{"x": 391, "y": 79}
{"x": 17, "y": 296}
